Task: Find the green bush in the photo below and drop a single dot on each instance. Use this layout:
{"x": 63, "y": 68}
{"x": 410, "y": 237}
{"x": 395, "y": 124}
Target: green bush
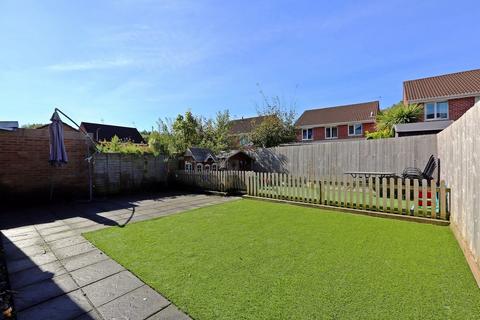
{"x": 118, "y": 146}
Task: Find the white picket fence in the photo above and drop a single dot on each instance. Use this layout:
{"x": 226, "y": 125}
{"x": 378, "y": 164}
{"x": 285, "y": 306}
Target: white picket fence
{"x": 390, "y": 195}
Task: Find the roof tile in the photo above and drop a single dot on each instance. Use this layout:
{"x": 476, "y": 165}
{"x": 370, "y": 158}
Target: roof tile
{"x": 340, "y": 114}
{"x": 448, "y": 85}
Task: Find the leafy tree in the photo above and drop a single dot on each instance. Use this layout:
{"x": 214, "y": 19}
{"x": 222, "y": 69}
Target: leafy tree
{"x": 173, "y": 138}
{"x": 279, "y": 124}
{"x": 216, "y": 133}
{"x": 396, "y": 114}
{"x": 33, "y": 125}
{"x": 118, "y": 146}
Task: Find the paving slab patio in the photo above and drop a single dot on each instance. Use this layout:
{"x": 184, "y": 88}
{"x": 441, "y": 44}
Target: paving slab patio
{"x": 57, "y": 274}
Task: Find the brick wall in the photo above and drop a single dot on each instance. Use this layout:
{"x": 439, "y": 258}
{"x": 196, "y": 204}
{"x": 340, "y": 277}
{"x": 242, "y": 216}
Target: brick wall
{"x": 319, "y": 132}
{"x": 457, "y": 107}
{"x": 24, "y": 167}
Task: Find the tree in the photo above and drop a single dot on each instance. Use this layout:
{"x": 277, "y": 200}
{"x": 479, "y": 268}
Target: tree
{"x": 278, "y": 126}
{"x": 216, "y": 133}
{"x": 173, "y": 138}
{"x": 396, "y": 114}
{"x": 33, "y": 125}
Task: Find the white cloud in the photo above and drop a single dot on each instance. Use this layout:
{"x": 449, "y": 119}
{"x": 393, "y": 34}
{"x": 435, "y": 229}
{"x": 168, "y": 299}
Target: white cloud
{"x": 91, "y": 65}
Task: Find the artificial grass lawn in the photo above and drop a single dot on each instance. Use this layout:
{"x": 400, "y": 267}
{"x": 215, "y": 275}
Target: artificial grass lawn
{"x": 250, "y": 259}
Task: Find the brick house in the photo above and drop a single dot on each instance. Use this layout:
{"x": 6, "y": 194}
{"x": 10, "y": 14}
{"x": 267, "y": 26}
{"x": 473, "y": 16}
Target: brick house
{"x": 240, "y": 130}
{"x": 105, "y": 132}
{"x": 444, "y": 99}
{"x": 340, "y": 122}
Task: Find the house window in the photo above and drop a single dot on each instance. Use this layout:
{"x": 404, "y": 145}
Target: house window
{"x": 436, "y": 110}
{"x": 355, "y": 129}
{"x": 199, "y": 167}
{"x": 188, "y": 166}
{"x": 207, "y": 167}
{"x": 214, "y": 167}
{"x": 244, "y": 140}
{"x": 331, "y": 132}
{"x": 307, "y": 134}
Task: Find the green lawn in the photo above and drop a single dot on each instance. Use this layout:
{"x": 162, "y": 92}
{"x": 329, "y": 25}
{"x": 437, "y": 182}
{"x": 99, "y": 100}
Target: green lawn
{"x": 249, "y": 259}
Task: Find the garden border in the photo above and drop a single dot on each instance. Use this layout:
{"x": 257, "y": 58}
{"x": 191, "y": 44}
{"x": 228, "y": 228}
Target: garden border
{"x": 356, "y": 211}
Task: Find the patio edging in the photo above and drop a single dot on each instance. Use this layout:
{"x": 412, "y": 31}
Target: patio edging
{"x": 356, "y": 211}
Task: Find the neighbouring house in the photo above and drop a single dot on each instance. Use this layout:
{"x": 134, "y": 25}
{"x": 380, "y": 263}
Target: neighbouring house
{"x": 236, "y": 160}
{"x": 240, "y": 130}
{"x": 8, "y": 125}
{"x": 105, "y": 132}
{"x": 340, "y": 122}
{"x": 444, "y": 99}
{"x": 199, "y": 159}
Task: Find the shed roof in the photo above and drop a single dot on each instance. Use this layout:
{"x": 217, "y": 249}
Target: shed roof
{"x": 200, "y": 154}
{"x": 423, "y": 126}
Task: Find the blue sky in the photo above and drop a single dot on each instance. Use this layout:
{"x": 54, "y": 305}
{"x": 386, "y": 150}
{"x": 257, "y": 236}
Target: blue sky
{"x": 130, "y": 62}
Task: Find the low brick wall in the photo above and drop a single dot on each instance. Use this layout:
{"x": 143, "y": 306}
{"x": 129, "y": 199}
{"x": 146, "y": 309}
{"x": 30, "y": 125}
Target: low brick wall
{"x": 25, "y": 171}
{"x": 116, "y": 173}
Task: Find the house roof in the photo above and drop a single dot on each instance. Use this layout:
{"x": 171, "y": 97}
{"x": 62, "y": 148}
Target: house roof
{"x": 8, "y": 125}
{"x": 358, "y": 112}
{"x": 107, "y": 132}
{"x": 423, "y": 126}
{"x": 200, "y": 154}
{"x": 231, "y": 153}
{"x": 245, "y": 125}
{"x": 444, "y": 86}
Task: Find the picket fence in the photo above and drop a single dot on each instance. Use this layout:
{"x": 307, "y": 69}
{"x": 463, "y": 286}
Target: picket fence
{"x": 389, "y": 195}
{"x": 223, "y": 181}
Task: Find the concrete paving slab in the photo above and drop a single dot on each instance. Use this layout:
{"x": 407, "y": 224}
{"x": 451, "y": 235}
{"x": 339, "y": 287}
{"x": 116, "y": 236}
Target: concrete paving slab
{"x": 112, "y": 287}
{"x": 76, "y": 249}
{"x": 82, "y": 260}
{"x": 48, "y": 225}
{"x": 138, "y": 304}
{"x": 49, "y": 289}
{"x": 46, "y": 232}
{"x": 66, "y": 242}
{"x": 38, "y": 274}
{"x": 59, "y": 235}
{"x": 43, "y": 291}
{"x": 92, "y": 315}
{"x": 95, "y": 272}
{"x": 170, "y": 313}
{"x": 24, "y": 243}
{"x": 15, "y": 253}
{"x": 16, "y": 231}
{"x": 29, "y": 262}
{"x": 67, "y": 306}
{"x": 22, "y": 235}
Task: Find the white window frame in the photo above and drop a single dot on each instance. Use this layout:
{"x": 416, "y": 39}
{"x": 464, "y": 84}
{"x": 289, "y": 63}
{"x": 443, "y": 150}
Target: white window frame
{"x": 207, "y": 167}
{"x": 354, "y": 134}
{"x": 199, "y": 165}
{"x": 306, "y": 129}
{"x": 435, "y": 103}
{"x": 188, "y": 166}
{"x": 214, "y": 167}
{"x": 331, "y": 137}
